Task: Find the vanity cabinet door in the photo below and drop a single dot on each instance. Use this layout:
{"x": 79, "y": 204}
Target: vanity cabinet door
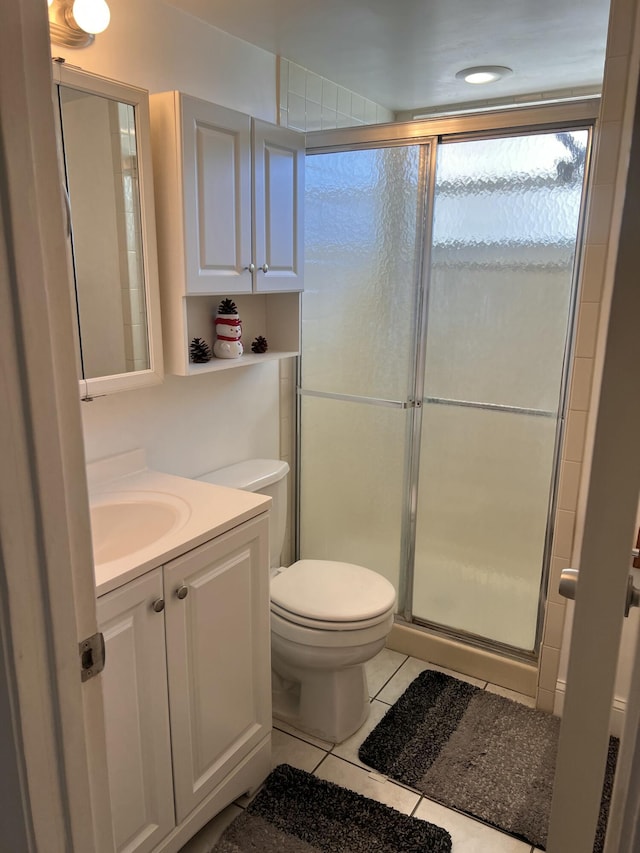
{"x": 218, "y": 658}
{"x": 137, "y": 714}
{"x": 278, "y": 179}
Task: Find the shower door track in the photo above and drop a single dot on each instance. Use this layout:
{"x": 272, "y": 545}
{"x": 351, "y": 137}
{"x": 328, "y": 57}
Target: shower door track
{"x": 472, "y": 640}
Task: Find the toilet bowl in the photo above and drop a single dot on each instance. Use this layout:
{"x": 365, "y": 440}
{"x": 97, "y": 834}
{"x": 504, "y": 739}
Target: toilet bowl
{"x": 327, "y": 620}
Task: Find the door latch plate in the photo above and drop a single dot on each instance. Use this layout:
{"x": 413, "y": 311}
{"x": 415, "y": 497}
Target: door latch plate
{"x": 92, "y": 656}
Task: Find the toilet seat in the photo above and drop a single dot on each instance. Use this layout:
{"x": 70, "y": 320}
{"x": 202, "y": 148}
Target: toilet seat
{"x": 327, "y": 636}
{"x": 331, "y": 596}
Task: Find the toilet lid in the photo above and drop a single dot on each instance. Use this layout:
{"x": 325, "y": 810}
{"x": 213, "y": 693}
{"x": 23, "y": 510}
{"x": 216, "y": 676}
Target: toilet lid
{"x": 326, "y": 591}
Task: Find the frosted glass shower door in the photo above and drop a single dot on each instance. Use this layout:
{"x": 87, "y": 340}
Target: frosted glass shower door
{"x": 506, "y": 219}
{"x": 363, "y": 252}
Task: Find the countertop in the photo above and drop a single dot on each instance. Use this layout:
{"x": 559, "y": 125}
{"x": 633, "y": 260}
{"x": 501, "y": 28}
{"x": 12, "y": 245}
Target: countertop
{"x": 207, "y": 512}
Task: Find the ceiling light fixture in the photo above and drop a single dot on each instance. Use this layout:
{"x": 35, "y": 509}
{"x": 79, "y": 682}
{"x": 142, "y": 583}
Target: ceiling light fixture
{"x": 483, "y": 74}
{"x": 74, "y": 23}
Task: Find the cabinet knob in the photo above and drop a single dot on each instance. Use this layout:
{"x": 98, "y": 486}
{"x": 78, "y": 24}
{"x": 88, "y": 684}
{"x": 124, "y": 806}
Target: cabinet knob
{"x": 158, "y": 605}
{"x": 182, "y": 592}
{"x": 251, "y": 268}
{"x": 265, "y": 267}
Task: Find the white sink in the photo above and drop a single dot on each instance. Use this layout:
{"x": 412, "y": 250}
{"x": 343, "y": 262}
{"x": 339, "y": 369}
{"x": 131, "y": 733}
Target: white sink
{"x": 142, "y": 519}
{"x": 125, "y": 523}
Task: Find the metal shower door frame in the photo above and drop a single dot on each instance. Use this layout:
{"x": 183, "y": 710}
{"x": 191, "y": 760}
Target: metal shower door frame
{"x": 574, "y": 115}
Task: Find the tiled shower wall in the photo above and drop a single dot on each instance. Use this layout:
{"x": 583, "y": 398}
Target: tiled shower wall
{"x": 310, "y": 102}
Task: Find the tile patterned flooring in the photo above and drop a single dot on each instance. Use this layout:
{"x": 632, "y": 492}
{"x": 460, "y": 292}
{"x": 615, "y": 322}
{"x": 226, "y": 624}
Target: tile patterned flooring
{"x": 388, "y": 674}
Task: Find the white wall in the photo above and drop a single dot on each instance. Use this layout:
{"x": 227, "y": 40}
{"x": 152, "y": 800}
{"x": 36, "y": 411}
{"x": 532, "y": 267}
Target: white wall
{"x": 188, "y": 425}
{"x": 152, "y": 45}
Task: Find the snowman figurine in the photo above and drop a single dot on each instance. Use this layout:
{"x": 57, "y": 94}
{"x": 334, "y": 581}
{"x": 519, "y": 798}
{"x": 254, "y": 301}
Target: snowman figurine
{"x": 228, "y": 331}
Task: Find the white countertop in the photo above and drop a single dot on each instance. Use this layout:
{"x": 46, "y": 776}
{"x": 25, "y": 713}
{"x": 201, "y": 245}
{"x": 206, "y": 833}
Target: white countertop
{"x": 206, "y": 512}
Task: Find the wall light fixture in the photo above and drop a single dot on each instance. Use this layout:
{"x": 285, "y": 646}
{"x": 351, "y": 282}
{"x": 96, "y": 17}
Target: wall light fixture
{"x": 74, "y": 23}
{"x": 483, "y": 74}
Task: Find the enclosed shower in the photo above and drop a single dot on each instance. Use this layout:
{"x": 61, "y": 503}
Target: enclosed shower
{"x": 441, "y": 269}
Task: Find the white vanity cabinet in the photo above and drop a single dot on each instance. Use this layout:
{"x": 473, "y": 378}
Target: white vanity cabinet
{"x": 187, "y": 688}
{"x": 229, "y": 211}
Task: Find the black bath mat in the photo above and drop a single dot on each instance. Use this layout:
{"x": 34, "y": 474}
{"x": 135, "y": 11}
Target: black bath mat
{"x": 296, "y": 812}
{"x": 476, "y": 752}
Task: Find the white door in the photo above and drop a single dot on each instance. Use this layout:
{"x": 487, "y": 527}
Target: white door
{"x": 218, "y": 658}
{"x": 136, "y": 709}
{"x": 278, "y": 183}
{"x": 54, "y": 777}
{"x": 604, "y": 567}
{"x": 217, "y": 197}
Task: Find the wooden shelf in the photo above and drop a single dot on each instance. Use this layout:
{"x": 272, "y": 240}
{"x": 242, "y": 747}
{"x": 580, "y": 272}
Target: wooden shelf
{"x": 245, "y": 360}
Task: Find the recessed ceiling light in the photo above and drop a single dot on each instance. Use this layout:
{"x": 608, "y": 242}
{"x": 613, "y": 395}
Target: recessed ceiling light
{"x": 483, "y": 74}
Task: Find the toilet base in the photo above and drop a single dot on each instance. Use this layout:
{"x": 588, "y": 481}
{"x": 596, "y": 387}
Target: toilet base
{"x": 329, "y": 704}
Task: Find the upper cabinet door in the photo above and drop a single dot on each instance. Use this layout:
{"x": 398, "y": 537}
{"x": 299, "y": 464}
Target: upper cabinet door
{"x": 278, "y": 182}
{"x": 217, "y": 198}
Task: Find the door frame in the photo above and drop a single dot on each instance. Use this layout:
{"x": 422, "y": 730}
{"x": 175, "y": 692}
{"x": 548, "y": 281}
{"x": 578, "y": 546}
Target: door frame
{"x": 55, "y": 774}
{"x": 609, "y": 525}
{"x": 53, "y": 725}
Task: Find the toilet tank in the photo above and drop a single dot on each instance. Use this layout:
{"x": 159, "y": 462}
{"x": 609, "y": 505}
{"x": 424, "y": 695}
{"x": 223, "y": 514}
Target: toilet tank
{"x": 268, "y": 477}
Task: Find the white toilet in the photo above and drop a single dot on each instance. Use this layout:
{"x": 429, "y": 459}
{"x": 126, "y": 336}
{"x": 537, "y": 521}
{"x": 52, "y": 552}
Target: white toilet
{"x": 327, "y": 620}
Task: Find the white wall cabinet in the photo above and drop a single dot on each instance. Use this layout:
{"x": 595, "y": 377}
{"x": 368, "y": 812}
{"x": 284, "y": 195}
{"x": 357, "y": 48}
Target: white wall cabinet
{"x": 229, "y": 210}
{"x": 188, "y": 689}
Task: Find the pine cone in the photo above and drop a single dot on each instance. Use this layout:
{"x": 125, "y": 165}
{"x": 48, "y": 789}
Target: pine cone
{"x": 227, "y": 306}
{"x": 199, "y": 351}
{"x": 259, "y": 345}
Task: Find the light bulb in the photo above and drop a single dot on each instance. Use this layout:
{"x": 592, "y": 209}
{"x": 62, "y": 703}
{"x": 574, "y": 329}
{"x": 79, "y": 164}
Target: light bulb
{"x": 483, "y": 74}
{"x": 482, "y": 77}
{"x": 49, "y": 2}
{"x": 92, "y": 16}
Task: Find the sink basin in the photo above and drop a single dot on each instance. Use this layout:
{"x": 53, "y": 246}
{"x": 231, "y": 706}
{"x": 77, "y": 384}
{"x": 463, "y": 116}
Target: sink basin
{"x": 122, "y": 524}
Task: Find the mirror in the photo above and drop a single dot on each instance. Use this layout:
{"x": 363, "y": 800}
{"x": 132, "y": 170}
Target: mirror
{"x": 106, "y": 166}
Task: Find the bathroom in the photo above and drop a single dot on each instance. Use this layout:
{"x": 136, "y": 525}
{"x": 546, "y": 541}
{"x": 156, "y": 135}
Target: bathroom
{"x": 205, "y": 411}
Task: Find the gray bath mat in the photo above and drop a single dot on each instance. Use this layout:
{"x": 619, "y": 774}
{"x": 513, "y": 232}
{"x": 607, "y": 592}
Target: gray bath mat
{"x": 476, "y": 752}
{"x": 297, "y": 813}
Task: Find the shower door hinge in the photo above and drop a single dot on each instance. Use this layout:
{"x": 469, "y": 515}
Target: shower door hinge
{"x": 412, "y": 404}
{"x": 92, "y": 656}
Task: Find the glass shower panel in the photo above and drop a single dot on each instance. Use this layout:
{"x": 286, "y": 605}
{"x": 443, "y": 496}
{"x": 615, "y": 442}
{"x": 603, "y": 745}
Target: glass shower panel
{"x": 363, "y": 212}
{"x": 352, "y": 464}
{"x": 482, "y": 505}
{"x": 504, "y": 238}
{"x": 505, "y": 228}
{"x": 363, "y": 252}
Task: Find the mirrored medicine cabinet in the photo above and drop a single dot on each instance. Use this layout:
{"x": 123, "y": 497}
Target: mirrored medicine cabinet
{"x": 105, "y": 161}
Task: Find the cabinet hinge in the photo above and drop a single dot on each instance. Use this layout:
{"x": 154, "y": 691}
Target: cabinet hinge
{"x": 92, "y": 655}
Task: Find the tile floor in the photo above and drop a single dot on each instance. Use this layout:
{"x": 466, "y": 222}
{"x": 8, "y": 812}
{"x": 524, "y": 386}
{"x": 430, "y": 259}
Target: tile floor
{"x": 389, "y": 673}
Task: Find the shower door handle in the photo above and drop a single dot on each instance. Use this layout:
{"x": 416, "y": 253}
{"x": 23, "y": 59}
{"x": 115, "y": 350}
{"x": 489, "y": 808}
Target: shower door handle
{"x": 569, "y": 582}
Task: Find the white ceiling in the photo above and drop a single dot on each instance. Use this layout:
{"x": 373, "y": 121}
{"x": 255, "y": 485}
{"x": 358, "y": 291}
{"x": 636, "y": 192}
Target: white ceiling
{"x": 404, "y": 54}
